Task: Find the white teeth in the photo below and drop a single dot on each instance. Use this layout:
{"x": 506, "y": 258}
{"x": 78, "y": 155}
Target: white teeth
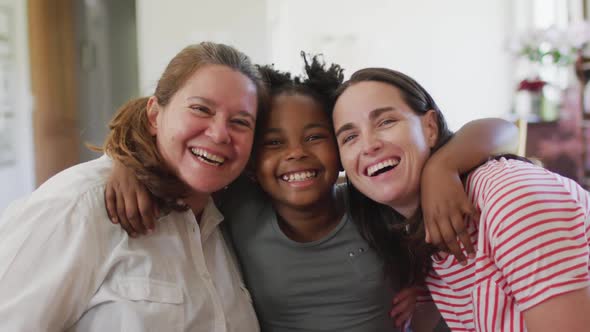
{"x": 299, "y": 176}
{"x": 208, "y": 157}
{"x": 386, "y": 163}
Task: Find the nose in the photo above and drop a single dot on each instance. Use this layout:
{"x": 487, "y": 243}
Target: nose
{"x": 296, "y": 152}
{"x": 218, "y": 131}
{"x": 371, "y": 144}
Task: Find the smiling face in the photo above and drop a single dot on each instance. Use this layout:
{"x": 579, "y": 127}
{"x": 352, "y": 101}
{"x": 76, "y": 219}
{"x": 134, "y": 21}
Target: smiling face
{"x": 297, "y": 157}
{"x": 383, "y": 143}
{"x": 205, "y": 132}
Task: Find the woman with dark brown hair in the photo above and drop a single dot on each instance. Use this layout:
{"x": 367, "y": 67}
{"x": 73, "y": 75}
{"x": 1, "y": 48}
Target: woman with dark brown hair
{"x": 62, "y": 268}
{"x": 530, "y": 271}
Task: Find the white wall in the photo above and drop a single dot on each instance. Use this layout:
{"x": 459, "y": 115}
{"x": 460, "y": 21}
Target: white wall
{"x": 18, "y": 179}
{"x": 455, "y": 48}
{"x": 165, "y": 27}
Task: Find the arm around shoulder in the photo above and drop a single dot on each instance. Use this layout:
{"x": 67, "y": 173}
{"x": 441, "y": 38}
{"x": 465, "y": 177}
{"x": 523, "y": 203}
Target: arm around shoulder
{"x": 476, "y": 141}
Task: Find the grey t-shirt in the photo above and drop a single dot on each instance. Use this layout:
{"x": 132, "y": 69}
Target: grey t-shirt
{"x": 334, "y": 284}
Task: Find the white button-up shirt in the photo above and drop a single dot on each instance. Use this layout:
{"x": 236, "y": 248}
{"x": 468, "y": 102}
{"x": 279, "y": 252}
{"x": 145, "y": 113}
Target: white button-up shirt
{"x": 64, "y": 266}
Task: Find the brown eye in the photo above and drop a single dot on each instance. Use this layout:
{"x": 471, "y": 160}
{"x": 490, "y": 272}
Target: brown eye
{"x": 386, "y": 122}
{"x": 348, "y": 138}
{"x": 242, "y": 122}
{"x": 272, "y": 142}
{"x": 311, "y": 138}
{"x": 201, "y": 109}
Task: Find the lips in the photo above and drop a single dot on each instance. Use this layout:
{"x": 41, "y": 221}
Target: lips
{"x": 297, "y": 176}
{"x": 208, "y": 157}
{"x": 382, "y": 166}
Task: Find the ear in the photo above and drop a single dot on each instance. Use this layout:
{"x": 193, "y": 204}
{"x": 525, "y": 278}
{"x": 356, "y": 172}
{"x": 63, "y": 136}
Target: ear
{"x": 153, "y": 110}
{"x": 430, "y": 125}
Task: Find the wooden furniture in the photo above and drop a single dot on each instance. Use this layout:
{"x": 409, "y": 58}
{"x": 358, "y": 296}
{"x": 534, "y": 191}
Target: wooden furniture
{"x": 560, "y": 145}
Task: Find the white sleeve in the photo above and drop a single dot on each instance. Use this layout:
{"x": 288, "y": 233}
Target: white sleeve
{"x": 50, "y": 254}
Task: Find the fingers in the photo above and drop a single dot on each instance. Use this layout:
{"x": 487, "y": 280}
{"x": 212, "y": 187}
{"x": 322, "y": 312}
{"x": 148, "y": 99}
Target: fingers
{"x": 122, "y": 215}
{"x": 402, "y": 318}
{"x": 450, "y": 239}
{"x": 147, "y": 213}
{"x": 435, "y": 236}
{"x": 403, "y": 310}
{"x": 132, "y": 213}
{"x": 110, "y": 201}
{"x": 404, "y": 304}
{"x": 460, "y": 225}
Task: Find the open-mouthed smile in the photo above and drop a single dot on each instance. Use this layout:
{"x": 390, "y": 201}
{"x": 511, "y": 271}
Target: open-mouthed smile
{"x": 299, "y": 176}
{"x": 382, "y": 166}
{"x": 208, "y": 157}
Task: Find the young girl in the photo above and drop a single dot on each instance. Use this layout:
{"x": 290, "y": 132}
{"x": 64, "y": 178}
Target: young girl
{"x": 304, "y": 260}
{"x": 532, "y": 262}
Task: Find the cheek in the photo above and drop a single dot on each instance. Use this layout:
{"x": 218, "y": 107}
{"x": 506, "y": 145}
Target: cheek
{"x": 263, "y": 164}
{"x": 243, "y": 143}
{"x": 347, "y": 160}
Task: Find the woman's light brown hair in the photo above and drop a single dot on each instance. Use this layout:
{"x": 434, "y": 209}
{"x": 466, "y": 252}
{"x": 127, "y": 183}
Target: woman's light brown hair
{"x": 129, "y": 140}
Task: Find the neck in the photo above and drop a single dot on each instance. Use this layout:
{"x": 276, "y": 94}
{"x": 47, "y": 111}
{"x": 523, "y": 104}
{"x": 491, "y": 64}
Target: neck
{"x": 197, "y": 202}
{"x": 308, "y": 223}
{"x": 406, "y": 208}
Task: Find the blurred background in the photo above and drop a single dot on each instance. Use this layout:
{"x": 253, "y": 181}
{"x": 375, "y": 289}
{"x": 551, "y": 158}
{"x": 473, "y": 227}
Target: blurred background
{"x": 66, "y": 65}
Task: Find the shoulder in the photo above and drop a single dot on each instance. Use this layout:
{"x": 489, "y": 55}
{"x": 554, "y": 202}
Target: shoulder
{"x": 511, "y": 180}
{"x": 77, "y": 179}
{"x": 516, "y": 196}
{"x": 72, "y": 196}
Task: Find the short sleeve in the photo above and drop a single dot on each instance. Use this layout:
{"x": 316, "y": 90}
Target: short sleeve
{"x": 537, "y": 232}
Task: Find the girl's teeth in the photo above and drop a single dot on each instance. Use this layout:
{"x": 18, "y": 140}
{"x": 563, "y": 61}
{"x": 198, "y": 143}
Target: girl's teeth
{"x": 301, "y": 176}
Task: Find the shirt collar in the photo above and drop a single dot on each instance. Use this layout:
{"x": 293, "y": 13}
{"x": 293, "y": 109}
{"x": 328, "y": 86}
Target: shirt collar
{"x": 210, "y": 219}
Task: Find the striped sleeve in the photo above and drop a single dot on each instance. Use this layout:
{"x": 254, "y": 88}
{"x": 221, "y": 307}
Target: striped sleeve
{"x": 537, "y": 233}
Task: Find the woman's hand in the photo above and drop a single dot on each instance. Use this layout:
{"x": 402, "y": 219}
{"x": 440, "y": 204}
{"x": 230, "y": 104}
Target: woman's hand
{"x": 445, "y": 206}
{"x": 128, "y": 202}
{"x": 404, "y": 304}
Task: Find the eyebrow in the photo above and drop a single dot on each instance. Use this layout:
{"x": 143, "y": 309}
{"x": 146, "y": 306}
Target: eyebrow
{"x": 273, "y": 131}
{"x": 212, "y": 103}
{"x": 248, "y": 115}
{"x": 372, "y": 115}
{"x": 378, "y": 111}
{"x": 202, "y": 99}
{"x": 317, "y": 125}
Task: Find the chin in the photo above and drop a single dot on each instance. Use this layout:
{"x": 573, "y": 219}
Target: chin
{"x": 384, "y": 198}
{"x": 206, "y": 186}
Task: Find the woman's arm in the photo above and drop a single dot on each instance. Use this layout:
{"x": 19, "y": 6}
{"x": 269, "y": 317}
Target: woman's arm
{"x": 444, "y": 202}
{"x": 565, "y": 312}
{"x": 128, "y": 202}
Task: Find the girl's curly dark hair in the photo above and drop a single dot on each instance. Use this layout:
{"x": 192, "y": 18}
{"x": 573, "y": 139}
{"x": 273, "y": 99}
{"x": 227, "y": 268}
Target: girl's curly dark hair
{"x": 319, "y": 81}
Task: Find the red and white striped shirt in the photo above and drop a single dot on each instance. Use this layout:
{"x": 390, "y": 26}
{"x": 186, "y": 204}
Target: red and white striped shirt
{"x": 532, "y": 244}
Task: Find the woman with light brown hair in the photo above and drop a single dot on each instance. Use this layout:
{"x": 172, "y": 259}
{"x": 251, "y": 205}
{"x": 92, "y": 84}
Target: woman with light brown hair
{"x": 61, "y": 268}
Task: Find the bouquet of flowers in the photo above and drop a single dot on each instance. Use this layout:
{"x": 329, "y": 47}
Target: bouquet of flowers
{"x": 552, "y": 45}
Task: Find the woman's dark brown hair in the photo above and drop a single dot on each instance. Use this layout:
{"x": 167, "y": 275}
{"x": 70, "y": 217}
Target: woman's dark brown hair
{"x": 397, "y": 240}
{"x": 129, "y": 140}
